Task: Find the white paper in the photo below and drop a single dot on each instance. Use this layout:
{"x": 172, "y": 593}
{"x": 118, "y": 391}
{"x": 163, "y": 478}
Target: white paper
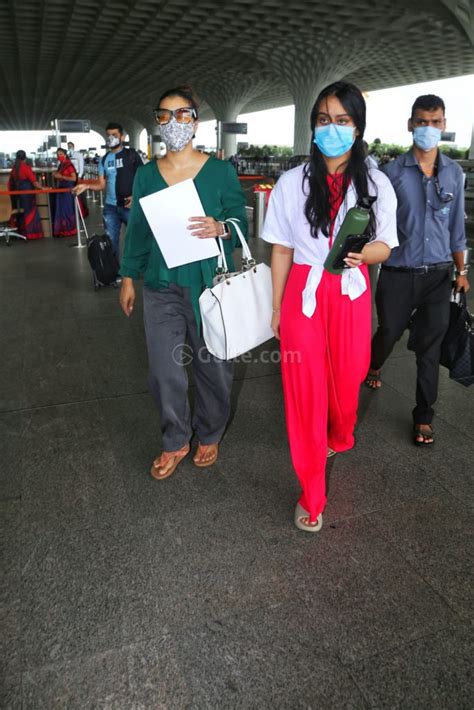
{"x": 168, "y": 212}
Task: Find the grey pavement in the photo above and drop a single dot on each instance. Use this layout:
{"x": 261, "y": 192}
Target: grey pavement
{"x": 199, "y": 592}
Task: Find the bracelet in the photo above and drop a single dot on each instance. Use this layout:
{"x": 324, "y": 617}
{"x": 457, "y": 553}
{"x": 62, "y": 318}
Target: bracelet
{"x": 463, "y": 272}
{"x": 276, "y": 310}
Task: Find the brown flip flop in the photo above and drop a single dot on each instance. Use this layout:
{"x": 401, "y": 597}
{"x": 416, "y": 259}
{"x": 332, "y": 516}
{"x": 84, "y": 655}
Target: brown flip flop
{"x": 164, "y": 459}
{"x": 202, "y": 450}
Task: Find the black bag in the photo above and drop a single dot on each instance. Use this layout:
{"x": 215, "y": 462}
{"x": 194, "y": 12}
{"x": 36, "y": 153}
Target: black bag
{"x": 102, "y": 259}
{"x": 457, "y": 348}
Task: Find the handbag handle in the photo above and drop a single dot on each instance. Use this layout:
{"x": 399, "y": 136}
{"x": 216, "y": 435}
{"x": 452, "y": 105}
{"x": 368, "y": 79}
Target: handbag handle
{"x": 247, "y": 254}
{"x": 222, "y": 267}
{"x": 247, "y": 258}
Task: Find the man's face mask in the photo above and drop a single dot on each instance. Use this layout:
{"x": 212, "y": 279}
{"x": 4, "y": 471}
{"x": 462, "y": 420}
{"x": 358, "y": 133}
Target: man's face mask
{"x": 426, "y": 137}
{"x": 176, "y": 136}
{"x": 112, "y": 141}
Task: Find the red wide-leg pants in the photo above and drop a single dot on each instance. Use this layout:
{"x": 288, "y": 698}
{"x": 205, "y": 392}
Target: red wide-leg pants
{"x": 324, "y": 360}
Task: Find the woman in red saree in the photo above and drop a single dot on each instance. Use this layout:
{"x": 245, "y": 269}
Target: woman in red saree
{"x": 28, "y": 221}
{"x": 65, "y": 213}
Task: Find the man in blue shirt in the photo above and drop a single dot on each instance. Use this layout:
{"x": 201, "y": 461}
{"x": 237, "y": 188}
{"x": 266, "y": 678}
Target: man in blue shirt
{"x": 116, "y": 174}
{"x": 417, "y": 276}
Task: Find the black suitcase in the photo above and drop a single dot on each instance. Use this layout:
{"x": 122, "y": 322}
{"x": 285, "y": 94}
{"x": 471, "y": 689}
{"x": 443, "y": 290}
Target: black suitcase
{"x": 103, "y": 261}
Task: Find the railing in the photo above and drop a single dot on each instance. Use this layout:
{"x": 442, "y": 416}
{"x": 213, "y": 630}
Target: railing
{"x": 50, "y": 191}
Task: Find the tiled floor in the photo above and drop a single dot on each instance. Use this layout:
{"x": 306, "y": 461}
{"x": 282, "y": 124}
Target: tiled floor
{"x": 121, "y": 592}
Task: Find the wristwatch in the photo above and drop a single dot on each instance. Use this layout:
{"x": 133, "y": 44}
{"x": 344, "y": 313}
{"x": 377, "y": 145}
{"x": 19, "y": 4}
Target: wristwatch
{"x": 463, "y": 272}
{"x": 226, "y": 231}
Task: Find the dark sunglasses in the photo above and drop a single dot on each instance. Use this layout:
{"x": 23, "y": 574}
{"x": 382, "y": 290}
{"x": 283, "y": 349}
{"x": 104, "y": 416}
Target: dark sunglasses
{"x": 186, "y": 114}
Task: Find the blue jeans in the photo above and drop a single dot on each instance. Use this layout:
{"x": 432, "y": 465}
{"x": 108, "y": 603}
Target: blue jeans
{"x": 114, "y": 217}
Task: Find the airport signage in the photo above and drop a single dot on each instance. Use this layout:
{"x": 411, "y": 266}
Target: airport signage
{"x": 73, "y": 125}
{"x": 234, "y": 127}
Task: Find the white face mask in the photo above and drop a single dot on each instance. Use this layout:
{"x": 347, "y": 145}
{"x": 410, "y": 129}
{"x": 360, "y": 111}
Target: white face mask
{"x": 112, "y": 141}
{"x": 175, "y": 135}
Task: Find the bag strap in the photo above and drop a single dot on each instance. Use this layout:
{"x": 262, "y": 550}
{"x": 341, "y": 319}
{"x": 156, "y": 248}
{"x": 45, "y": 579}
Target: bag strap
{"x": 222, "y": 267}
{"x": 247, "y": 259}
{"x": 245, "y": 247}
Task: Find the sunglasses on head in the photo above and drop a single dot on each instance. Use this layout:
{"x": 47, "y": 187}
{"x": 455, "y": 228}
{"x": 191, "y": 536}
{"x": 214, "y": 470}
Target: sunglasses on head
{"x": 186, "y": 114}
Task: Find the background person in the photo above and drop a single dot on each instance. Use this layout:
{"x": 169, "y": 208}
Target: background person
{"x": 116, "y": 174}
{"x": 431, "y": 232}
{"x": 323, "y": 319}
{"x": 64, "y": 223}
{"x": 22, "y": 177}
{"x": 76, "y": 158}
{"x": 171, "y": 296}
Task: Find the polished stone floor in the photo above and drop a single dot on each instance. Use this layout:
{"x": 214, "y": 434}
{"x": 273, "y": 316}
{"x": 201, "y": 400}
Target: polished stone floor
{"x": 198, "y": 592}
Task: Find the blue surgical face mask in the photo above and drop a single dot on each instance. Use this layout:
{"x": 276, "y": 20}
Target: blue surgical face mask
{"x": 426, "y": 137}
{"x": 333, "y": 140}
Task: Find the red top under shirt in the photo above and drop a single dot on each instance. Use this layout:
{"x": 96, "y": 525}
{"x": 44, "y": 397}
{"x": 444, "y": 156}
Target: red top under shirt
{"x": 336, "y": 198}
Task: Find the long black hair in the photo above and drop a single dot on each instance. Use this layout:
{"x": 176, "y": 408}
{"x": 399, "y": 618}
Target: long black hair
{"x": 20, "y": 156}
{"x": 317, "y": 207}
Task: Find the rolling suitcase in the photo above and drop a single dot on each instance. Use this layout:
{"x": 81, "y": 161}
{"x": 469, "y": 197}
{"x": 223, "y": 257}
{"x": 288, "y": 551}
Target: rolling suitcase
{"x": 103, "y": 261}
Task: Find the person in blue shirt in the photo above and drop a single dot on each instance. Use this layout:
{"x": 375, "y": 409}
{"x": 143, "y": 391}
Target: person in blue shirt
{"x": 116, "y": 174}
{"x": 418, "y": 274}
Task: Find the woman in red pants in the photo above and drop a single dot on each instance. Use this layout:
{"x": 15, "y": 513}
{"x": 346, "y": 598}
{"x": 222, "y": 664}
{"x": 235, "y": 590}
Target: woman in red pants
{"x": 323, "y": 319}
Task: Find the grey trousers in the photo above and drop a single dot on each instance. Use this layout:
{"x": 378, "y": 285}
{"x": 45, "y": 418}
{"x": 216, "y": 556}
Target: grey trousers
{"x": 173, "y": 342}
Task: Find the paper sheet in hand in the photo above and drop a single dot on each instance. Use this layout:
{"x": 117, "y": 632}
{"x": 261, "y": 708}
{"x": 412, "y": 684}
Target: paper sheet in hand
{"x": 168, "y": 212}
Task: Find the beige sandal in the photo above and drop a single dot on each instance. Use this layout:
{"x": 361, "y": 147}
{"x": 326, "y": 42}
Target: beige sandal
{"x": 206, "y": 455}
{"x": 302, "y": 520}
{"x": 161, "y": 469}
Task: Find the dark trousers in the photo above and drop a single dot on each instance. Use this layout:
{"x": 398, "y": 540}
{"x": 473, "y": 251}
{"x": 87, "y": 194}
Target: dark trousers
{"x": 398, "y": 294}
{"x": 173, "y": 342}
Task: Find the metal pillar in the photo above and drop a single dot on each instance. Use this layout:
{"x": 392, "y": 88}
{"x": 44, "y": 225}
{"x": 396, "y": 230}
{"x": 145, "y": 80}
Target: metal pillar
{"x": 259, "y": 213}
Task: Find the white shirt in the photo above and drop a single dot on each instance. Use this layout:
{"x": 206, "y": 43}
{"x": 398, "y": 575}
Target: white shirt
{"x": 77, "y": 159}
{"x": 286, "y": 224}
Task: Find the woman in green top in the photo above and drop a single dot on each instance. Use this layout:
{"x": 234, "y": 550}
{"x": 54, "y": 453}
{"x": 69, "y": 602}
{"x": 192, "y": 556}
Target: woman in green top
{"x": 171, "y": 296}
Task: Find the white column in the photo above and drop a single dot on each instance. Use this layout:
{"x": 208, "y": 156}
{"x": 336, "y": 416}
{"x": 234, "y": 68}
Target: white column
{"x": 153, "y": 132}
{"x": 134, "y": 131}
{"x": 226, "y": 112}
{"x": 304, "y": 102}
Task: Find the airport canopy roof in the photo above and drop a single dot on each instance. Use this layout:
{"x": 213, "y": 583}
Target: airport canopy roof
{"x": 110, "y": 59}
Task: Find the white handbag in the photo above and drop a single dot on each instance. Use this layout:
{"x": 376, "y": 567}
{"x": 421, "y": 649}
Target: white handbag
{"x": 236, "y": 312}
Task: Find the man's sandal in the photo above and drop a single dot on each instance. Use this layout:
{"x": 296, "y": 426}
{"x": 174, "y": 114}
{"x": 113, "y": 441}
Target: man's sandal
{"x": 302, "y": 520}
{"x": 425, "y": 434}
{"x": 373, "y": 380}
{"x": 167, "y": 462}
{"x": 206, "y": 455}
